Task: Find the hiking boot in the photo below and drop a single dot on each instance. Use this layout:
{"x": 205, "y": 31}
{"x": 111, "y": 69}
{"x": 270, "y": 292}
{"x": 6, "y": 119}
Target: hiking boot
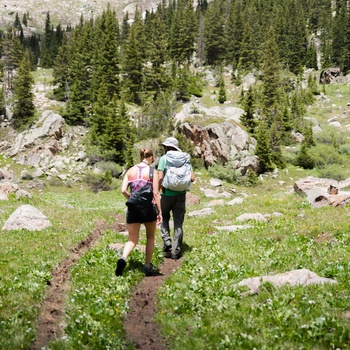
{"x": 148, "y": 270}
{"x": 167, "y": 246}
{"x": 177, "y": 255}
{"x": 167, "y": 249}
{"x": 120, "y": 267}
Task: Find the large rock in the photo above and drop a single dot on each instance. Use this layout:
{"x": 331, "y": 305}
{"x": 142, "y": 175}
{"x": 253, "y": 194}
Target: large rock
{"x": 48, "y": 125}
{"x": 320, "y": 191}
{"x": 195, "y": 109}
{"x": 6, "y": 175}
{"x": 329, "y": 75}
{"x": 302, "y": 277}
{"x": 27, "y": 217}
{"x": 220, "y": 143}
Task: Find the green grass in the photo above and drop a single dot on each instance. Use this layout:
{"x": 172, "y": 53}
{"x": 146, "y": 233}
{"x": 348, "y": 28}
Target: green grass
{"x": 200, "y": 306}
{"x": 43, "y": 76}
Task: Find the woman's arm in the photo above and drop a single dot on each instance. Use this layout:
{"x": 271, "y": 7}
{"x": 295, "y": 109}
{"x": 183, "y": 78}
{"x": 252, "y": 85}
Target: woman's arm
{"x": 125, "y": 185}
{"x": 156, "y": 195}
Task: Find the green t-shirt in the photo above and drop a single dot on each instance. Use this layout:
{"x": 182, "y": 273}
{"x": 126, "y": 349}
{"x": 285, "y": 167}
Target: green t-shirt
{"x": 161, "y": 166}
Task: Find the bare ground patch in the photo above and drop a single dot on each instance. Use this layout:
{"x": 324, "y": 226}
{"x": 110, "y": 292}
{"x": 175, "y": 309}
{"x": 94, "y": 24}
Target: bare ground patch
{"x": 50, "y": 324}
{"x": 139, "y": 325}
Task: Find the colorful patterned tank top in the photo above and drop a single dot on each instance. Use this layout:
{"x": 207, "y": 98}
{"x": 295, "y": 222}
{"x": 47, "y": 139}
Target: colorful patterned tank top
{"x": 138, "y": 180}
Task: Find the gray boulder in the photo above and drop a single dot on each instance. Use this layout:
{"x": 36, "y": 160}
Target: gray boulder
{"x": 302, "y": 277}
{"x": 320, "y": 191}
{"x": 27, "y": 217}
{"x": 220, "y": 143}
{"x": 48, "y": 125}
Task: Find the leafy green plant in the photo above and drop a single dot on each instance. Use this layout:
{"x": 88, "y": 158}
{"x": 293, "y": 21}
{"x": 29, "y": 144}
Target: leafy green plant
{"x": 114, "y": 169}
{"x": 324, "y": 155}
{"x": 333, "y": 171}
{"x": 99, "y": 182}
{"x": 222, "y": 172}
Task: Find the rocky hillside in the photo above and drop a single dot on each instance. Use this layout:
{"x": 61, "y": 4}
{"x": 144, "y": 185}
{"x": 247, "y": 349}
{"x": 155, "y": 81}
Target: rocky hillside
{"x": 67, "y": 11}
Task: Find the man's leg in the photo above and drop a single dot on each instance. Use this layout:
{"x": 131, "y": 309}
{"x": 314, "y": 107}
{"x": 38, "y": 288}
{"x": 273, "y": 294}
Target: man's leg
{"x": 179, "y": 210}
{"x": 166, "y": 204}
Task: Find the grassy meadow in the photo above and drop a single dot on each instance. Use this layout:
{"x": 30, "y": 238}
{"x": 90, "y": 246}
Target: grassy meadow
{"x": 200, "y": 305}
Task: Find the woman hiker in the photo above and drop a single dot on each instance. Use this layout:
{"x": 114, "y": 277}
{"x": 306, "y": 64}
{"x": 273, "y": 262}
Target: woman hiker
{"x": 135, "y": 178}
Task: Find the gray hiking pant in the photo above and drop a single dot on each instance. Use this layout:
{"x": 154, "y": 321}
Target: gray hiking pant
{"x": 177, "y": 206}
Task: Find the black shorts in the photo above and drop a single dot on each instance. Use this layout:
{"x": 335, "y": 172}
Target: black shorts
{"x": 133, "y": 217}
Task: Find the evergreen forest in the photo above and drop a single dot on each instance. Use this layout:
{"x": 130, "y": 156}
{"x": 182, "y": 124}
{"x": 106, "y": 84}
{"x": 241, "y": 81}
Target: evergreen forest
{"x": 102, "y": 67}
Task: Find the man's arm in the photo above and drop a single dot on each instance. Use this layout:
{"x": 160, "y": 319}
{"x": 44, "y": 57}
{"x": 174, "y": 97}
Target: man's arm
{"x": 161, "y": 166}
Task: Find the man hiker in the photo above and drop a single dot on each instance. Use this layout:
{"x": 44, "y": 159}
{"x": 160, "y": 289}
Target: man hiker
{"x": 174, "y": 169}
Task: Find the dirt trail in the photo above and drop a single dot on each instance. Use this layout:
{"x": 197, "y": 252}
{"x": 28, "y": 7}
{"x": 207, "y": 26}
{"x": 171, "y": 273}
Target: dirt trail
{"x": 51, "y": 315}
{"x": 138, "y": 324}
{"x": 140, "y": 328}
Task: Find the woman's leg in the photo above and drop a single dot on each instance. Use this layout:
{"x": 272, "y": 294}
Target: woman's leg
{"x": 150, "y": 235}
{"x": 133, "y": 231}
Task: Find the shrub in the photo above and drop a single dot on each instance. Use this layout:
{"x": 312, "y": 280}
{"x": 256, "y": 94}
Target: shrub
{"x": 324, "y": 155}
{"x": 226, "y": 173}
{"x": 304, "y": 159}
{"x": 345, "y": 149}
{"x": 250, "y": 179}
{"x": 114, "y": 168}
{"x": 99, "y": 182}
{"x": 333, "y": 171}
{"x": 331, "y": 137}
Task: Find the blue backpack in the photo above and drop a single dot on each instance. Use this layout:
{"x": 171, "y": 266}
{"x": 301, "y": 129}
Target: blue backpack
{"x": 177, "y": 171}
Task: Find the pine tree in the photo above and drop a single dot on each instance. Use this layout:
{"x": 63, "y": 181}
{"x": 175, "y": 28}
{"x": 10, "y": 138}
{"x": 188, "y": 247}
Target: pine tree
{"x": 262, "y": 149}
{"x": 106, "y": 58}
{"x": 183, "y": 32}
{"x": 234, "y": 32}
{"x": 304, "y": 159}
{"x": 157, "y": 75}
{"x": 132, "y": 65}
{"x": 114, "y": 140}
{"x": 214, "y": 31}
{"x": 297, "y": 110}
{"x": 297, "y": 37}
{"x": 271, "y": 71}
{"x": 276, "y": 139}
{"x": 182, "y": 84}
{"x": 2, "y": 102}
{"x": 46, "y": 53}
{"x": 17, "y": 24}
{"x": 61, "y": 72}
{"x": 200, "y": 41}
{"x": 24, "y": 109}
{"x": 249, "y": 58}
{"x": 222, "y": 91}
{"x": 12, "y": 54}
{"x": 309, "y": 137}
{"x": 340, "y": 33}
{"x": 25, "y": 20}
{"x": 311, "y": 56}
{"x": 125, "y": 29}
{"x": 247, "y": 119}
{"x": 81, "y": 53}
{"x": 108, "y": 124}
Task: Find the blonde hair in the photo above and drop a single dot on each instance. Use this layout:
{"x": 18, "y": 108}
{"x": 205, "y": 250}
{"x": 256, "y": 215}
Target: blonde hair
{"x": 145, "y": 153}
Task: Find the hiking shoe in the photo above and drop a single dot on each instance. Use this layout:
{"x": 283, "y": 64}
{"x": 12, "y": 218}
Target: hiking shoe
{"x": 120, "y": 267}
{"x": 167, "y": 246}
{"x": 177, "y": 254}
{"x": 148, "y": 270}
{"x": 167, "y": 249}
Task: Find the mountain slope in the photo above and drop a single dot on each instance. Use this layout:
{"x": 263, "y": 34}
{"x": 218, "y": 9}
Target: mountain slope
{"x": 67, "y": 11}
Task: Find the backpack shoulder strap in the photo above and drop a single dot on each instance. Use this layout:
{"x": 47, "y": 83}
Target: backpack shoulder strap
{"x": 151, "y": 169}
